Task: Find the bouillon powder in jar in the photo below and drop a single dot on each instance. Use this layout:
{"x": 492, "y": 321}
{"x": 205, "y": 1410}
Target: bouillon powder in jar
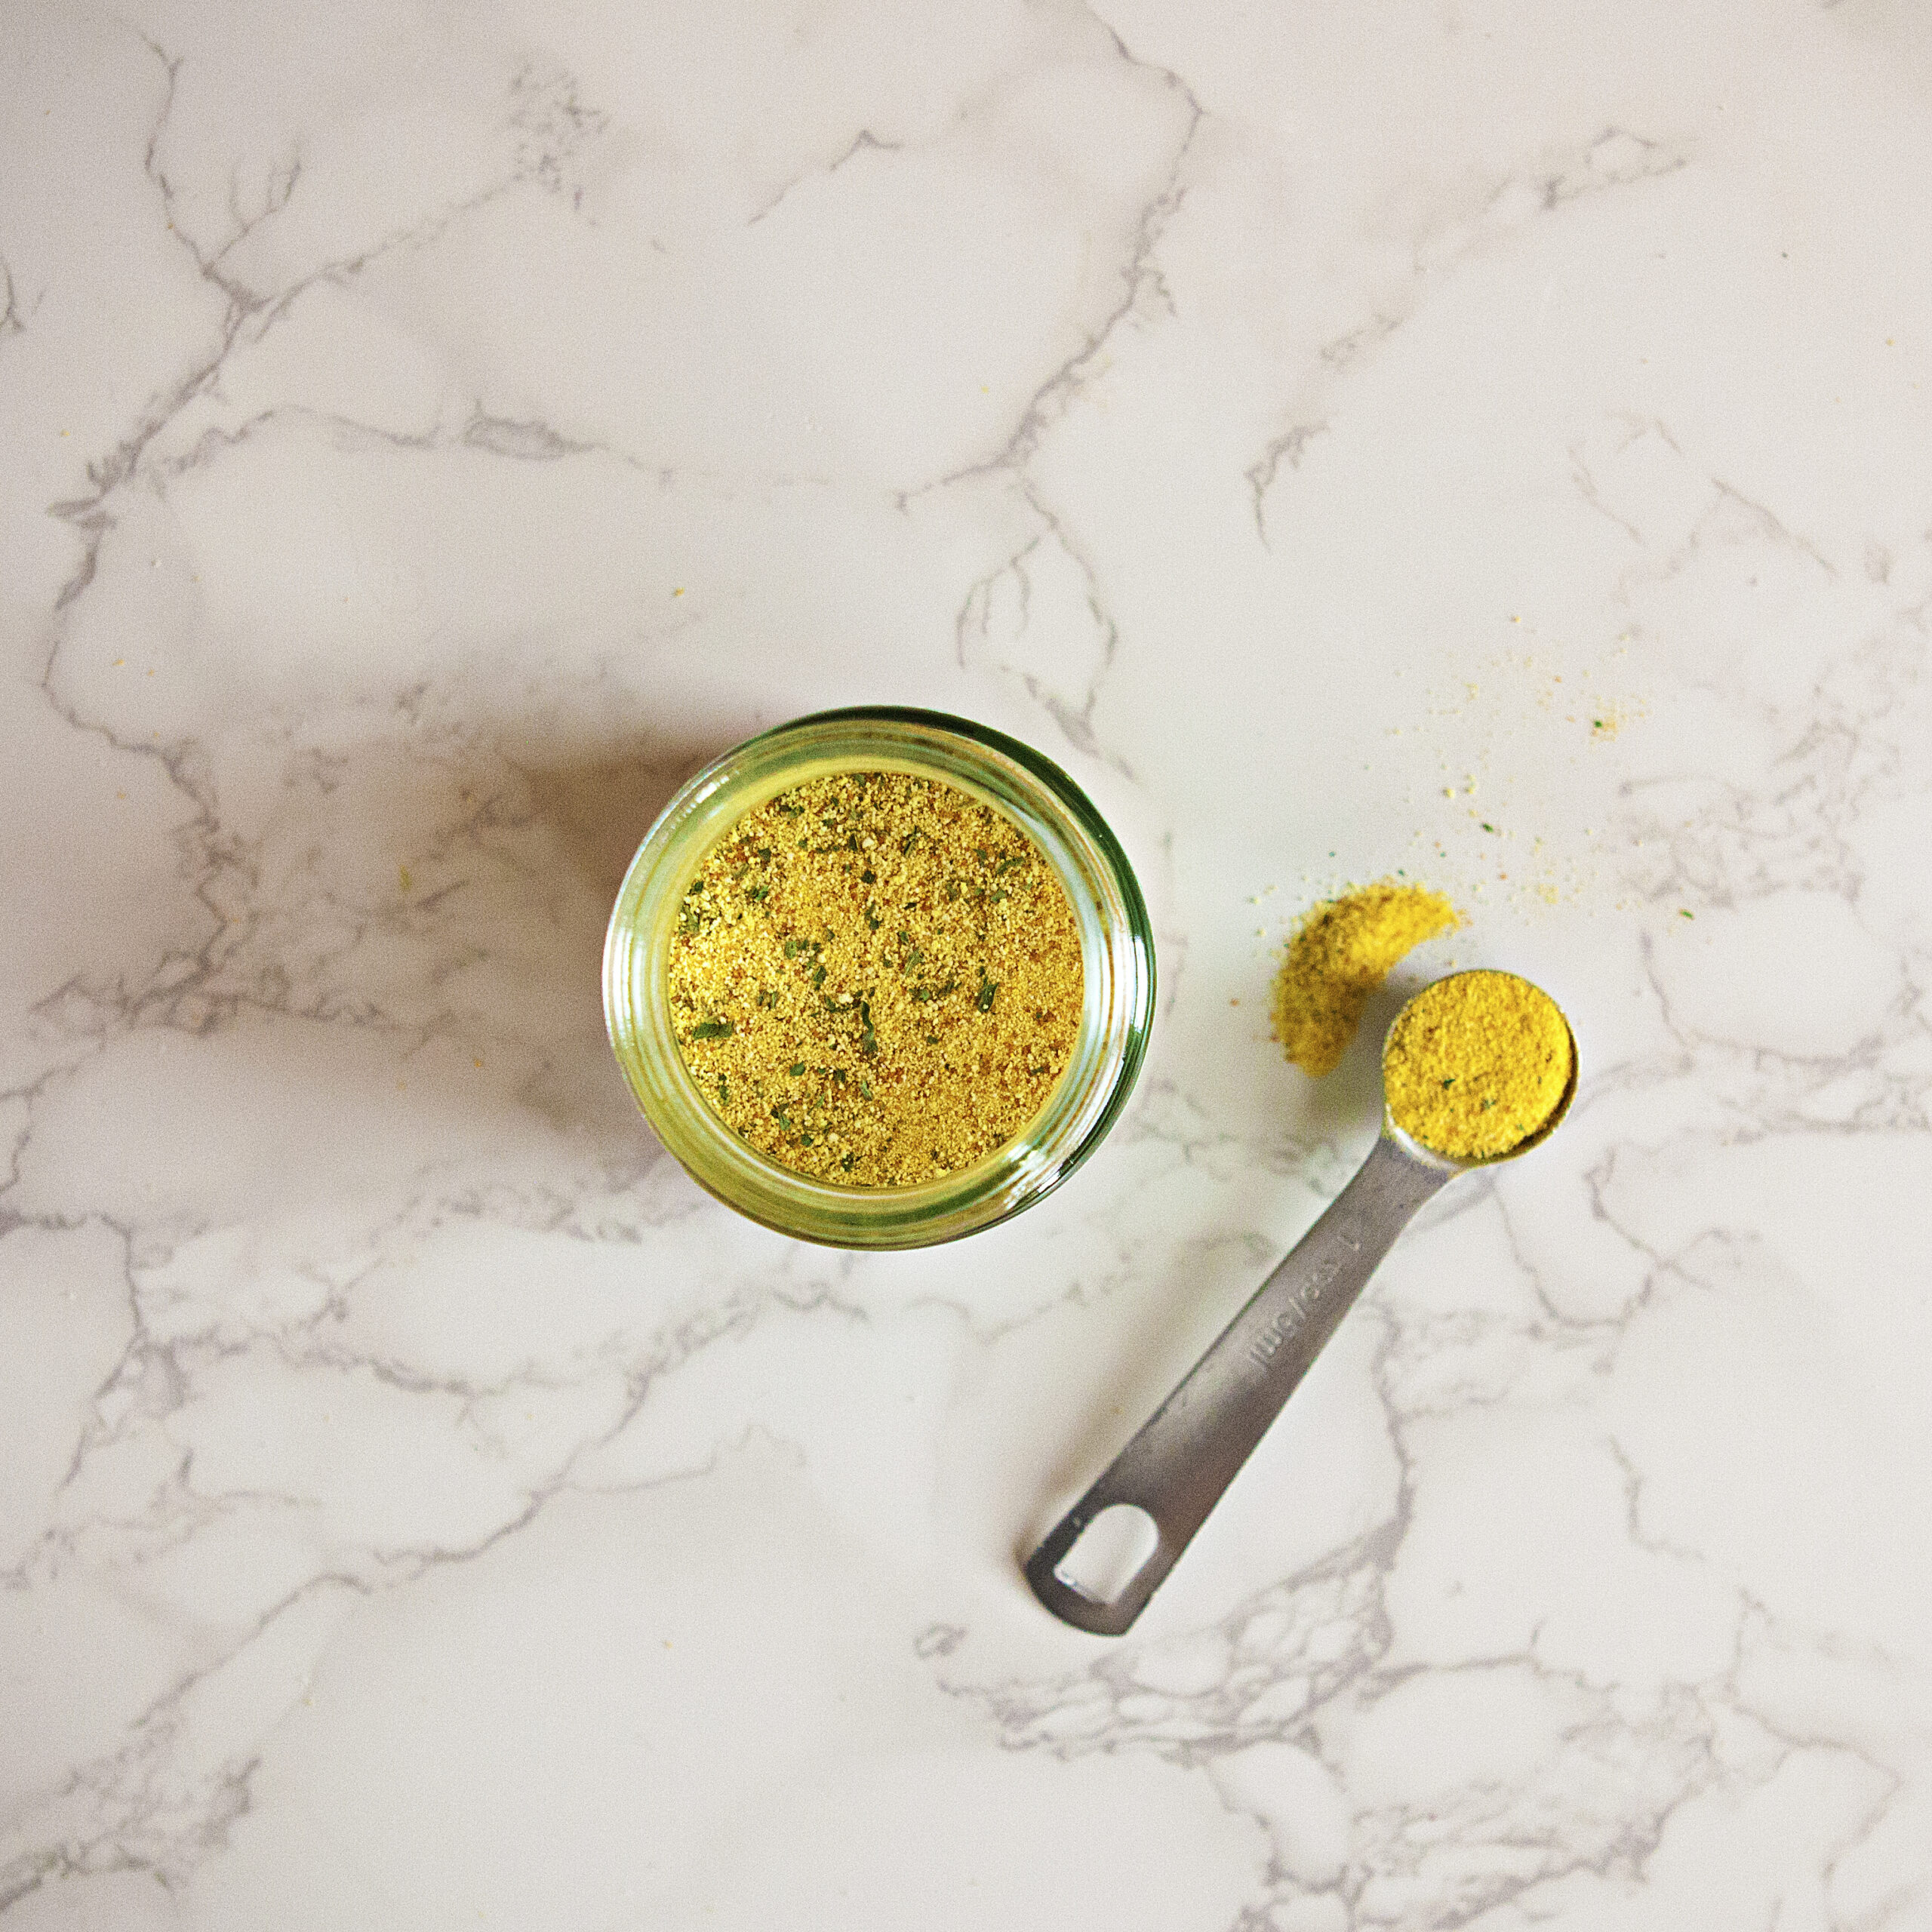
{"x": 876, "y": 979}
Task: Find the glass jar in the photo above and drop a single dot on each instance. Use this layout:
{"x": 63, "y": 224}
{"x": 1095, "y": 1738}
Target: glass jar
{"x": 1117, "y": 959}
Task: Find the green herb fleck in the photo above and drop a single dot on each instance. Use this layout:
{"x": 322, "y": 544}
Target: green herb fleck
{"x": 712, "y": 1029}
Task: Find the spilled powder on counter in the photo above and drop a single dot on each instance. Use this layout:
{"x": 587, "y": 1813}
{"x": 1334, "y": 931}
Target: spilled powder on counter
{"x": 1476, "y": 1064}
{"x": 1340, "y": 953}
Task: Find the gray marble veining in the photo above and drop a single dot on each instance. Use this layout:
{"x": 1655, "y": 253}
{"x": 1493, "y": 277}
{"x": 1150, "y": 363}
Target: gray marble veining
{"x": 1483, "y": 444}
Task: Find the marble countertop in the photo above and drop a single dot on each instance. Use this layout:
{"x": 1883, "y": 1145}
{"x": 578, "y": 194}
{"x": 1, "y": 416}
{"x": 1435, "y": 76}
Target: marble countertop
{"x": 1485, "y": 443}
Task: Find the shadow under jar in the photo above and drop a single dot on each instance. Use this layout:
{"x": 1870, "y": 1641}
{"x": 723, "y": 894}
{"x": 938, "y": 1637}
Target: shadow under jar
{"x": 1116, "y": 965}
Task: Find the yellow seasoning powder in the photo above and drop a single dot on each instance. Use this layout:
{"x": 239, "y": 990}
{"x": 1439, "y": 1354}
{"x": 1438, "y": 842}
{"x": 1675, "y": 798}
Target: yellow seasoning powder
{"x": 1339, "y": 955}
{"x": 876, "y": 979}
{"x": 1476, "y": 1063}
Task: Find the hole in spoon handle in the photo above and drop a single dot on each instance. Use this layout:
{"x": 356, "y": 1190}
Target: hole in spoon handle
{"x": 1106, "y": 1609}
{"x": 1181, "y": 1460}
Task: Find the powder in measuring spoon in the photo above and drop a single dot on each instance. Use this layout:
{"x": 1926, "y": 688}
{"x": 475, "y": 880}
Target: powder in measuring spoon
{"x": 876, "y": 979}
{"x": 1476, "y": 1063}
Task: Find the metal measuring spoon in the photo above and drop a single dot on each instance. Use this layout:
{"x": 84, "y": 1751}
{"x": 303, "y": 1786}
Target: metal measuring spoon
{"x": 1193, "y": 1446}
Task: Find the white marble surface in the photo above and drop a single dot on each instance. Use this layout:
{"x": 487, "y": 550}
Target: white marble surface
{"x": 428, "y": 431}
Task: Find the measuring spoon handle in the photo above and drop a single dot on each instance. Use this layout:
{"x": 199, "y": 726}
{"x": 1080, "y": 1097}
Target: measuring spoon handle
{"x": 1192, "y": 1446}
